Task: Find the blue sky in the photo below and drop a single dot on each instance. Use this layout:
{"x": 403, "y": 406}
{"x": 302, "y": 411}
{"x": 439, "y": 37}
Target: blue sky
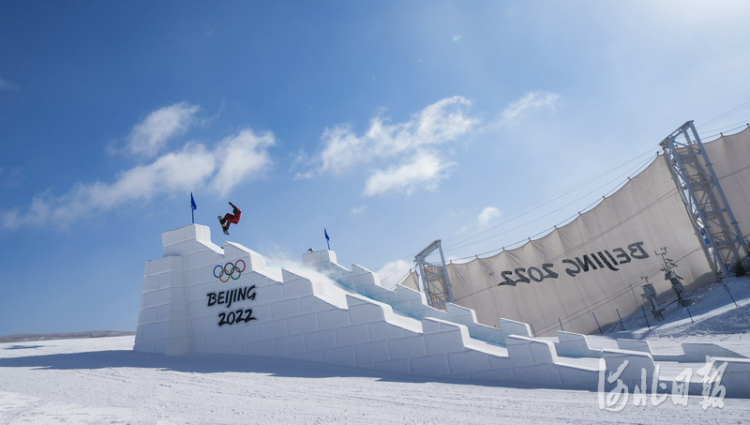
{"x": 390, "y": 124}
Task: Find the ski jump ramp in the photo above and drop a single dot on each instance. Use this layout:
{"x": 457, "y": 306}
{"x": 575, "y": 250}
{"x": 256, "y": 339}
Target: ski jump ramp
{"x": 203, "y": 298}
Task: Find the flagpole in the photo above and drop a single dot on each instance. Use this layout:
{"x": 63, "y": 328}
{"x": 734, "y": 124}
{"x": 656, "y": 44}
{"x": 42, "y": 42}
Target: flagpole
{"x": 193, "y": 207}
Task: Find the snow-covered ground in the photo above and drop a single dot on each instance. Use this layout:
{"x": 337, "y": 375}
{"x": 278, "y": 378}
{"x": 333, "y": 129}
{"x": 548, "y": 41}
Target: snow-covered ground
{"x": 101, "y": 380}
{"x": 97, "y": 378}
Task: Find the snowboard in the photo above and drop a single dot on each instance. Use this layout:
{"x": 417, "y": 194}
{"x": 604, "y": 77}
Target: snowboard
{"x": 222, "y": 227}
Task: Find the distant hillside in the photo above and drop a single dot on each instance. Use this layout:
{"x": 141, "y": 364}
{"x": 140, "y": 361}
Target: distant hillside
{"x": 64, "y": 335}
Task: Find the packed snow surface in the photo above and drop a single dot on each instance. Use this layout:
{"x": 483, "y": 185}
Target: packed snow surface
{"x": 96, "y": 378}
{"x": 101, "y": 380}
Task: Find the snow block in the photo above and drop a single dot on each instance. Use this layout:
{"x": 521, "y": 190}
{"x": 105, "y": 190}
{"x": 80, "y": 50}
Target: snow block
{"x": 353, "y": 335}
{"x": 272, "y": 330}
{"x": 270, "y": 293}
{"x": 285, "y": 309}
{"x": 736, "y": 376}
{"x": 512, "y": 327}
{"x": 163, "y": 265}
{"x": 442, "y": 337}
{"x": 579, "y": 378}
{"x": 362, "y": 310}
{"x": 314, "y": 304}
{"x": 218, "y": 341}
{"x": 302, "y": 324}
{"x": 381, "y": 331}
{"x": 333, "y": 319}
{"x": 500, "y": 370}
{"x": 697, "y": 352}
{"x": 533, "y": 361}
{"x": 244, "y": 336}
{"x": 295, "y": 286}
{"x": 203, "y": 298}
{"x": 187, "y": 240}
{"x": 436, "y": 365}
{"x": 467, "y": 364}
{"x": 342, "y": 356}
{"x": 458, "y": 314}
{"x": 634, "y": 345}
{"x": 373, "y": 352}
{"x": 525, "y": 351}
{"x": 319, "y": 260}
{"x": 404, "y": 348}
{"x": 321, "y": 340}
{"x": 574, "y": 345}
{"x": 364, "y": 282}
{"x": 627, "y": 367}
{"x": 467, "y": 317}
{"x": 262, "y": 348}
{"x": 398, "y": 366}
{"x": 290, "y": 346}
{"x": 359, "y": 270}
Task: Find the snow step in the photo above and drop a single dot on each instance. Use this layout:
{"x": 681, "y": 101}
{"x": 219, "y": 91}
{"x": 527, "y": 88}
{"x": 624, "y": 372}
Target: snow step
{"x": 200, "y": 298}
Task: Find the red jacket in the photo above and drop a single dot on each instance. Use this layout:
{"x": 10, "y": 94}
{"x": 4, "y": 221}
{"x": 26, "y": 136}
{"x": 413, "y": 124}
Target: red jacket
{"x": 236, "y": 215}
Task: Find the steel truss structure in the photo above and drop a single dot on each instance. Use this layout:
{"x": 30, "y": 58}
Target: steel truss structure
{"x": 436, "y": 284}
{"x": 704, "y": 199}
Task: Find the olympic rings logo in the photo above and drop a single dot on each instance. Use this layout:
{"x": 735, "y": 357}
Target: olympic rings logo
{"x": 229, "y": 270}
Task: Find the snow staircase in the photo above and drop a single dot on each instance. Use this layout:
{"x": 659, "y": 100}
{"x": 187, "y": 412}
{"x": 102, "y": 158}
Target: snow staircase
{"x": 665, "y": 368}
{"x": 202, "y": 298}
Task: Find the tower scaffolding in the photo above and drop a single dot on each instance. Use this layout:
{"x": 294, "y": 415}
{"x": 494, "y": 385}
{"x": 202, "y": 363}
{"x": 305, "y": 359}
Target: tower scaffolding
{"x": 705, "y": 201}
{"x": 435, "y": 281}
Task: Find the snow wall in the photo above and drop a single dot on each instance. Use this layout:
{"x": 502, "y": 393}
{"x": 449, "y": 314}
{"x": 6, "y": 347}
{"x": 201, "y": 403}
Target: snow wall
{"x": 202, "y": 298}
{"x": 589, "y": 269}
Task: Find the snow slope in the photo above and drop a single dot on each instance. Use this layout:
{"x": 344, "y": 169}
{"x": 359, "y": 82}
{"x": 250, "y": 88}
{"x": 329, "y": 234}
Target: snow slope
{"x": 103, "y": 381}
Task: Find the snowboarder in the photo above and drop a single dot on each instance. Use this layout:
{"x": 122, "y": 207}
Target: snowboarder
{"x": 229, "y": 218}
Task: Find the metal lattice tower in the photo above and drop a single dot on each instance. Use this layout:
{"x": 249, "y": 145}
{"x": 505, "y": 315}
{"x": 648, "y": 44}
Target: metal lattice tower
{"x": 435, "y": 281}
{"x": 704, "y": 199}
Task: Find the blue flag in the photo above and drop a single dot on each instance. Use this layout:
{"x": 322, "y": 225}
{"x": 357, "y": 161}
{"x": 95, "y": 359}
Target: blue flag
{"x": 326, "y": 233}
{"x": 192, "y": 202}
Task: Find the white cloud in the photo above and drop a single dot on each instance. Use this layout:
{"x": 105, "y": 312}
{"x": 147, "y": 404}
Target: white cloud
{"x": 150, "y": 135}
{"x": 529, "y": 102}
{"x": 487, "y": 215}
{"x": 7, "y": 85}
{"x": 240, "y": 158}
{"x": 235, "y": 160}
{"x": 393, "y": 273}
{"x": 424, "y": 170}
{"x": 11, "y": 177}
{"x": 384, "y": 143}
{"x": 343, "y": 149}
{"x": 441, "y": 122}
{"x": 356, "y": 211}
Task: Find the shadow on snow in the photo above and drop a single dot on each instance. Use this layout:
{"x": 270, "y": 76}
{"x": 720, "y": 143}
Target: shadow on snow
{"x": 219, "y": 363}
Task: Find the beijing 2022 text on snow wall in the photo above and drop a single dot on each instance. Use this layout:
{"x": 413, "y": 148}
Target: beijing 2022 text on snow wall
{"x": 594, "y": 265}
{"x": 202, "y": 298}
